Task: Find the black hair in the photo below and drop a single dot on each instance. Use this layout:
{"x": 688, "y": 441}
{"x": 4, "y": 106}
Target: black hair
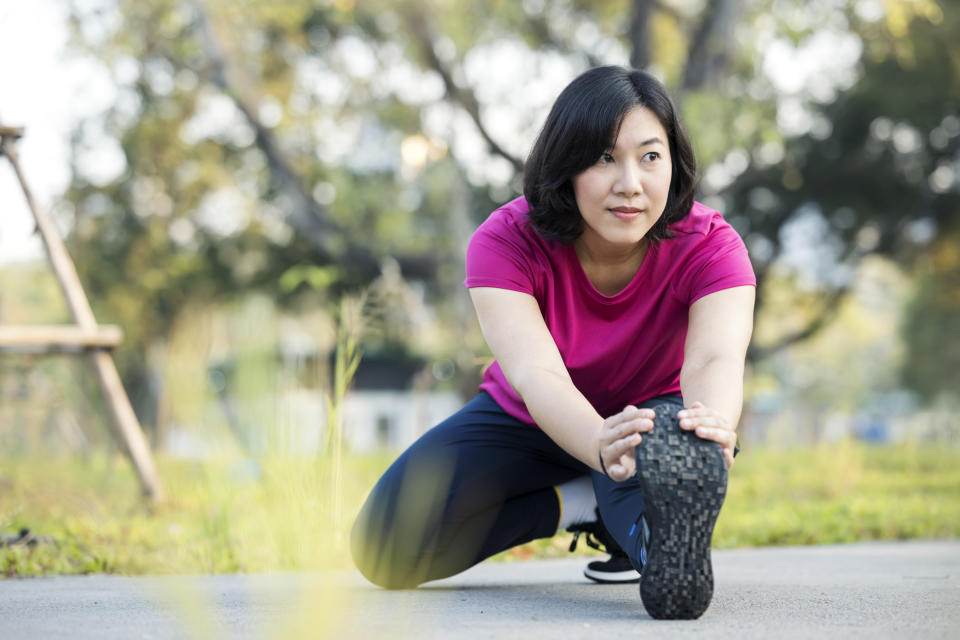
{"x": 583, "y": 124}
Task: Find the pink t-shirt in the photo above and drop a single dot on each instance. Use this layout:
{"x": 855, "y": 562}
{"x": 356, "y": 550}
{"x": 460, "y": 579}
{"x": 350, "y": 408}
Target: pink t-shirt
{"x": 619, "y": 349}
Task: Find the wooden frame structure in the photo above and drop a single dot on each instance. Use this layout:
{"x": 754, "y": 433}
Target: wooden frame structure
{"x": 85, "y": 336}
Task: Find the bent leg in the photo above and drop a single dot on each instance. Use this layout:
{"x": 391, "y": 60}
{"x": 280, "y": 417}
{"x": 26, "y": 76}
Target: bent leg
{"x": 474, "y": 485}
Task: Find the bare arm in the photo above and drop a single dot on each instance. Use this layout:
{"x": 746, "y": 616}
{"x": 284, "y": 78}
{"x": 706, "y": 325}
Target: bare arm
{"x": 711, "y": 379}
{"x": 521, "y": 342}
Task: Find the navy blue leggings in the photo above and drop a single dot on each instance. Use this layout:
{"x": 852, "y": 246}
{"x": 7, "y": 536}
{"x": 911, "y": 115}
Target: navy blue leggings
{"x": 476, "y": 484}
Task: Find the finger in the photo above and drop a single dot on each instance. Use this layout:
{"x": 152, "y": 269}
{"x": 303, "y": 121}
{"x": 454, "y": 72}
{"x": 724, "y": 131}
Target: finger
{"x": 625, "y": 468}
{"x": 726, "y": 437}
{"x": 631, "y": 412}
{"x": 695, "y": 409}
{"x": 619, "y": 418}
{"x": 693, "y": 422}
{"x": 638, "y": 424}
{"x": 618, "y": 473}
{"x": 689, "y": 420}
{"x": 697, "y": 412}
{"x": 615, "y": 450}
{"x": 728, "y": 457}
{"x": 619, "y": 455}
{"x": 625, "y": 429}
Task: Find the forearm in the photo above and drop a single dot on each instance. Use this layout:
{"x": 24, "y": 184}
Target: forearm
{"x": 717, "y": 383}
{"x": 563, "y": 413}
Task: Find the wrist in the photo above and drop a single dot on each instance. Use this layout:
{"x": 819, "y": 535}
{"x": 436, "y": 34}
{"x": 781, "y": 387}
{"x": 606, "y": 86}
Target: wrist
{"x": 603, "y": 467}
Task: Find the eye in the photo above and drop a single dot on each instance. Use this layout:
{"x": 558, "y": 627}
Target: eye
{"x": 605, "y": 158}
{"x": 651, "y": 156}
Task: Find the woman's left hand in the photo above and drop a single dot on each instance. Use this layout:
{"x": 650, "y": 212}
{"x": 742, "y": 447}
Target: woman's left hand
{"x": 709, "y": 424}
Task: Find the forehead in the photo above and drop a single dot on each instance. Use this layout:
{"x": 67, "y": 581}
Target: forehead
{"x": 640, "y": 125}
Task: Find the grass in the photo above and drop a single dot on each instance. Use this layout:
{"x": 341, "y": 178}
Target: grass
{"x": 274, "y": 515}
{"x": 220, "y": 516}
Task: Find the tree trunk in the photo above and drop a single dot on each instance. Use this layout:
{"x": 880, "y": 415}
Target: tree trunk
{"x": 710, "y": 51}
{"x": 640, "y": 34}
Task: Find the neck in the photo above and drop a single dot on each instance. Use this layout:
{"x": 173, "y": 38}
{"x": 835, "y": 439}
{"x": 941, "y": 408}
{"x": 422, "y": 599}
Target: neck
{"x": 610, "y": 256}
{"x": 609, "y": 272}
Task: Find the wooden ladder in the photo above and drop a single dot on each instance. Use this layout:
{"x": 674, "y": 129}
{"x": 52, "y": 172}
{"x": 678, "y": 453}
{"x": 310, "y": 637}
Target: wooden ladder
{"x": 85, "y": 335}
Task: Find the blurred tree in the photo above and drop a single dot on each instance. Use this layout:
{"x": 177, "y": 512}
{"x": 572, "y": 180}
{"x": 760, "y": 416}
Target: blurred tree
{"x": 876, "y": 170}
{"x": 257, "y": 137}
{"x": 233, "y": 171}
{"x": 931, "y": 329}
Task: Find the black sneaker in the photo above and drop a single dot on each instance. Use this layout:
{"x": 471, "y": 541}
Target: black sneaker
{"x": 617, "y": 569}
{"x": 684, "y": 482}
{"x": 614, "y": 570}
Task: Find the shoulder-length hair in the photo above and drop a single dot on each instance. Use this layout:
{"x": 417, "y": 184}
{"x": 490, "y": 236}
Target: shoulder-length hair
{"x": 583, "y": 124}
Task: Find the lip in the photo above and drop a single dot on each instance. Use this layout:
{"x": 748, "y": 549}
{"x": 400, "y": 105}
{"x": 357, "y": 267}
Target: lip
{"x": 625, "y": 213}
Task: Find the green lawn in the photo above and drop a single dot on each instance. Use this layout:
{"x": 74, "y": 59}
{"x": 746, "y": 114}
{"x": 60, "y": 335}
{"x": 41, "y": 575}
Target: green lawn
{"x": 232, "y": 516}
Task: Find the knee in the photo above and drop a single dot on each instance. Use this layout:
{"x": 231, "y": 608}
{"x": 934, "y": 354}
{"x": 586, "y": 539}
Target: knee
{"x": 395, "y": 538}
{"x": 365, "y": 551}
{"x": 378, "y": 555}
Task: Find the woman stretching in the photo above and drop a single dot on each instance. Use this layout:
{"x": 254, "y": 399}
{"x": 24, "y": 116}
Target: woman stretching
{"x": 619, "y": 312}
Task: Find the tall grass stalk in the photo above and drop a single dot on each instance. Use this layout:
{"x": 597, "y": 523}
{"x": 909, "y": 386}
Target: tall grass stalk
{"x": 347, "y": 359}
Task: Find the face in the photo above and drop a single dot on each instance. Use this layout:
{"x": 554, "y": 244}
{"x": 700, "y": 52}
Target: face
{"x": 625, "y": 192}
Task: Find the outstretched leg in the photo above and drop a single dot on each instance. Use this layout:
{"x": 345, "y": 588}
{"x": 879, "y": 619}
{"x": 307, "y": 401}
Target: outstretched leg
{"x": 684, "y": 480}
{"x": 676, "y": 497}
{"x": 621, "y": 504}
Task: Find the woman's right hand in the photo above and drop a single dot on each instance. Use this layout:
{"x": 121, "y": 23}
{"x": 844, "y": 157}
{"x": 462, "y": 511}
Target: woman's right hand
{"x": 618, "y": 437}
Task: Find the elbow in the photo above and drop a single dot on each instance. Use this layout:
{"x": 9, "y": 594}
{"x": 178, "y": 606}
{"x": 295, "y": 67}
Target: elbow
{"x": 520, "y": 380}
{"x": 694, "y": 369}
{"x": 525, "y": 378}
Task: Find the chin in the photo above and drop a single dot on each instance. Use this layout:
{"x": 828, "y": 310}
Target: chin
{"x": 630, "y": 240}
{"x": 635, "y": 233}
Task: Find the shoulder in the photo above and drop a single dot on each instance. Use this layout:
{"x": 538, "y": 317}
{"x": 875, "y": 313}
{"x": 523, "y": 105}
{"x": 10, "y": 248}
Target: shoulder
{"x": 701, "y": 222}
{"x": 507, "y": 252}
{"x": 511, "y": 225}
{"x": 511, "y": 218}
{"x": 707, "y": 254}
{"x": 702, "y": 230}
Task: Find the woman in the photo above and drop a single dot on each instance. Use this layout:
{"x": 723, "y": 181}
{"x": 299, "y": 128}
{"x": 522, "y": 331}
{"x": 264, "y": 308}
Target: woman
{"x": 611, "y": 301}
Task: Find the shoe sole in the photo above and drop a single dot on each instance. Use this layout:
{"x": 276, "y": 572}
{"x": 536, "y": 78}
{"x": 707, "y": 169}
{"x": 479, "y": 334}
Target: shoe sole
{"x": 684, "y": 482}
{"x": 607, "y": 577}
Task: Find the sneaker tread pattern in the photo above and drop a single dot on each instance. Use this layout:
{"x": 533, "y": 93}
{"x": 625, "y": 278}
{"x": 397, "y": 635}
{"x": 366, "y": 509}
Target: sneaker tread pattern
{"x": 684, "y": 482}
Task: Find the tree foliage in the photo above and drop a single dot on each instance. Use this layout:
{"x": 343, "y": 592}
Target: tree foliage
{"x": 876, "y": 170}
{"x": 930, "y": 330}
{"x": 261, "y": 138}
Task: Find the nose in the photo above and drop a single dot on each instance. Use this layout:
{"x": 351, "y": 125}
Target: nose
{"x": 629, "y": 180}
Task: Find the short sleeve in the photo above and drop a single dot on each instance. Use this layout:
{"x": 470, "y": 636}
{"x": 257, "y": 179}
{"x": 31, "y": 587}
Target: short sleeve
{"x": 499, "y": 256}
{"x": 719, "y": 262}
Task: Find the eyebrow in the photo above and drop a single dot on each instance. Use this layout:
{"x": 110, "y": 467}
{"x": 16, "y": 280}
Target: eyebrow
{"x": 650, "y": 141}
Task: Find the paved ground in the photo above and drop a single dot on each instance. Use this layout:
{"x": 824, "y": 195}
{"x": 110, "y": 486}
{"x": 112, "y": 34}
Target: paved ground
{"x": 884, "y": 590}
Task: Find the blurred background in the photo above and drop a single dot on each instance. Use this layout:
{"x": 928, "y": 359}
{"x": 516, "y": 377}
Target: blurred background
{"x": 245, "y": 185}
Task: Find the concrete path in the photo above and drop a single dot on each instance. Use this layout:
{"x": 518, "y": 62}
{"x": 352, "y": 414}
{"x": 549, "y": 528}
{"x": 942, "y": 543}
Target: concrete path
{"x": 883, "y": 590}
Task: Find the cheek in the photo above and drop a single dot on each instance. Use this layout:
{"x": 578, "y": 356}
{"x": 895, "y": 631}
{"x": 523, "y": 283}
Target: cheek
{"x": 586, "y": 189}
{"x": 664, "y": 182}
